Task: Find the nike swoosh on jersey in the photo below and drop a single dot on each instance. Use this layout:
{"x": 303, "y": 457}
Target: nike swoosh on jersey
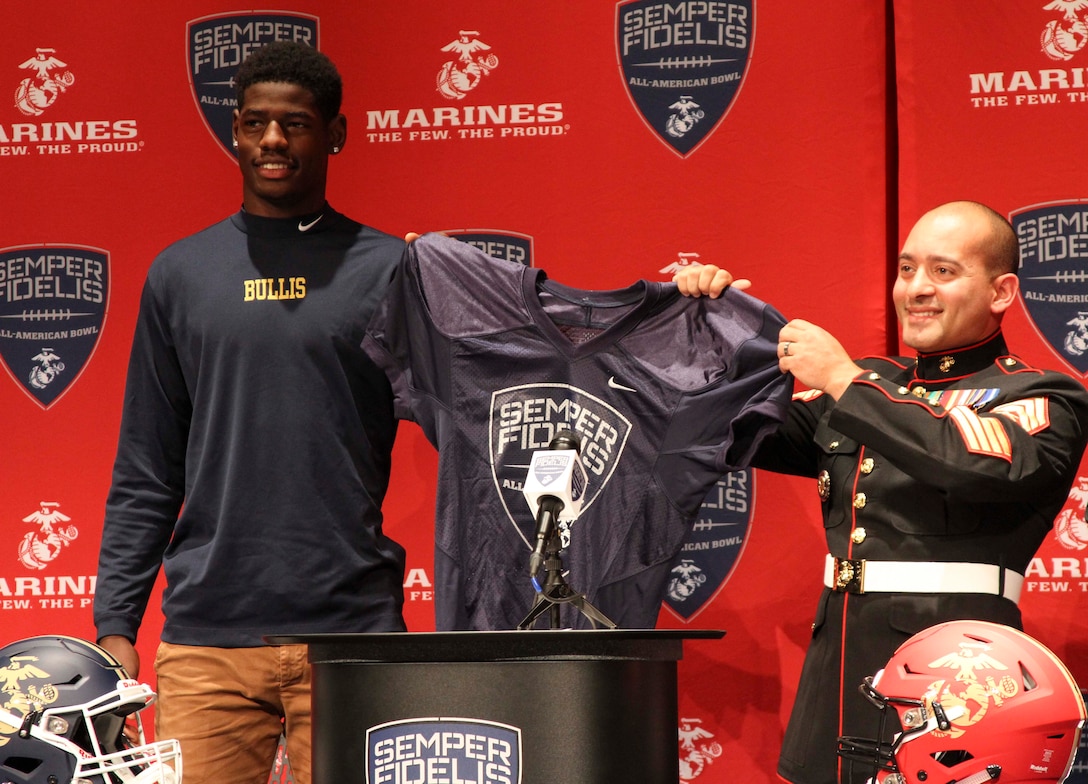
{"x": 617, "y": 385}
{"x": 307, "y": 226}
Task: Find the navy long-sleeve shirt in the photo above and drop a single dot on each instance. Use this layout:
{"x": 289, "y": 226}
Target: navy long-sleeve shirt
{"x": 255, "y": 442}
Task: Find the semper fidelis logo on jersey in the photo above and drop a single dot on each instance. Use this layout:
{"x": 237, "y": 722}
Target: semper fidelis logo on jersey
{"x": 683, "y": 63}
{"x": 53, "y": 302}
{"x": 453, "y": 749}
{"x": 505, "y": 245}
{"x": 1054, "y": 275}
{"x": 218, "y": 44}
{"x": 525, "y": 419}
{"x": 713, "y": 546}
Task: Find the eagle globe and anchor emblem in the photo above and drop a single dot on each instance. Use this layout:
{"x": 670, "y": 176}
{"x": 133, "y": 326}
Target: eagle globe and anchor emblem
{"x": 475, "y": 60}
{"x": 50, "y": 78}
{"x": 39, "y": 547}
{"x": 1062, "y": 38}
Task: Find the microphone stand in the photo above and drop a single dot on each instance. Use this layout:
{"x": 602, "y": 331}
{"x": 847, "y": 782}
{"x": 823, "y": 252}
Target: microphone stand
{"x": 556, "y": 592}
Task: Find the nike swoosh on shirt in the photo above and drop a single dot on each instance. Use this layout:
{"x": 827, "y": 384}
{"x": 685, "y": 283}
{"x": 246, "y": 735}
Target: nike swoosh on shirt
{"x": 617, "y": 385}
{"x": 307, "y": 226}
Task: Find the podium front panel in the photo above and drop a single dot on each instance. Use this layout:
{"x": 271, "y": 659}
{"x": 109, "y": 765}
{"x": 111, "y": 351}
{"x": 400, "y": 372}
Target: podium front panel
{"x": 530, "y": 707}
{"x": 583, "y": 721}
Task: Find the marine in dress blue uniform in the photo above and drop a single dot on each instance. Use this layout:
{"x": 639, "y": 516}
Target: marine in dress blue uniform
{"x": 939, "y": 476}
{"x": 938, "y": 480}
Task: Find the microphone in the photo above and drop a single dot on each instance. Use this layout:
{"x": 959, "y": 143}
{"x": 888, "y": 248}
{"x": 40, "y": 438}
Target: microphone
{"x": 555, "y": 486}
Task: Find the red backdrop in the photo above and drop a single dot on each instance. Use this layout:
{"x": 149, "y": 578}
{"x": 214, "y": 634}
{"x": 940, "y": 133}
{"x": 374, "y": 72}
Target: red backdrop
{"x": 787, "y": 141}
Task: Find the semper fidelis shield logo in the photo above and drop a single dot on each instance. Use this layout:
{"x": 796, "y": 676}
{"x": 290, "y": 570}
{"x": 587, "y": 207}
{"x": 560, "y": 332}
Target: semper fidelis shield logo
{"x": 53, "y": 303}
{"x": 713, "y": 546}
{"x": 446, "y": 748}
{"x": 218, "y": 44}
{"x": 1053, "y": 242}
{"x": 524, "y": 419}
{"x": 683, "y": 63}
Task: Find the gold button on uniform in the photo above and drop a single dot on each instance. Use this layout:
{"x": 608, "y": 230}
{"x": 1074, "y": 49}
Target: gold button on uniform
{"x": 867, "y": 465}
{"x": 823, "y": 485}
{"x": 857, "y": 536}
{"x": 859, "y": 501}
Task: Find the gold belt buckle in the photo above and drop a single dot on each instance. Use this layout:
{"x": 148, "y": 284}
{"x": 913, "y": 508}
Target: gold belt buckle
{"x": 849, "y": 575}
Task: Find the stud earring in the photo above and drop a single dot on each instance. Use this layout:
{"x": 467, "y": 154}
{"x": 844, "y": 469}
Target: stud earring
{"x": 236, "y": 144}
{"x": 335, "y": 150}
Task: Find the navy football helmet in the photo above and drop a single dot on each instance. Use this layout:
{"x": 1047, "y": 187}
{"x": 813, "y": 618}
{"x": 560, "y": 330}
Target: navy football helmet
{"x": 64, "y": 704}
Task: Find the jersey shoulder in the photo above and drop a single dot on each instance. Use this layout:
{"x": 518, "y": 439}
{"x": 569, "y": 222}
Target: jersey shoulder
{"x": 466, "y": 291}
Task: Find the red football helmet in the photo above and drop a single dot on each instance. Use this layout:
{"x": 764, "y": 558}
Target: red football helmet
{"x": 967, "y": 702}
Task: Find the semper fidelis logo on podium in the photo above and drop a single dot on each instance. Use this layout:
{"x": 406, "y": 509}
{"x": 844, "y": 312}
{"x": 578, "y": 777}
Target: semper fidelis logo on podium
{"x": 443, "y": 749}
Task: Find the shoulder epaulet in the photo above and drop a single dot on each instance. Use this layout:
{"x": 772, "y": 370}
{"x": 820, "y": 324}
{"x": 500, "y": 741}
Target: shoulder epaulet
{"x": 1013, "y": 364}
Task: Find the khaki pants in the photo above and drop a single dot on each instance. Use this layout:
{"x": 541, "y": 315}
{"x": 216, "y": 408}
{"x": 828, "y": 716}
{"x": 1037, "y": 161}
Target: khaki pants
{"x": 225, "y": 706}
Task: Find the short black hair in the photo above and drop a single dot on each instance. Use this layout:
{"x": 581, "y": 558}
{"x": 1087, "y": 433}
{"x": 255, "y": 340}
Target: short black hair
{"x": 293, "y": 63}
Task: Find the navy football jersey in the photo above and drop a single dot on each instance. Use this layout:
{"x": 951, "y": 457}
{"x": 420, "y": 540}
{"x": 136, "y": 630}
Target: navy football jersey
{"x": 492, "y": 359}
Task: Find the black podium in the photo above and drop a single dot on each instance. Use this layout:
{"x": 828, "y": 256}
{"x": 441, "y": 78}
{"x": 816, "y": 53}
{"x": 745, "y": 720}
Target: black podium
{"x": 504, "y": 707}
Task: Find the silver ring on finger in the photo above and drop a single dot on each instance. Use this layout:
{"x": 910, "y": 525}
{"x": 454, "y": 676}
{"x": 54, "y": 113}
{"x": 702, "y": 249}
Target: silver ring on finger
{"x": 786, "y": 348}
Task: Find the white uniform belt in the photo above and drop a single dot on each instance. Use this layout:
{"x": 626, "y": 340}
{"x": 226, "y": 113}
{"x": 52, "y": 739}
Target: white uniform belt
{"x": 850, "y": 576}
